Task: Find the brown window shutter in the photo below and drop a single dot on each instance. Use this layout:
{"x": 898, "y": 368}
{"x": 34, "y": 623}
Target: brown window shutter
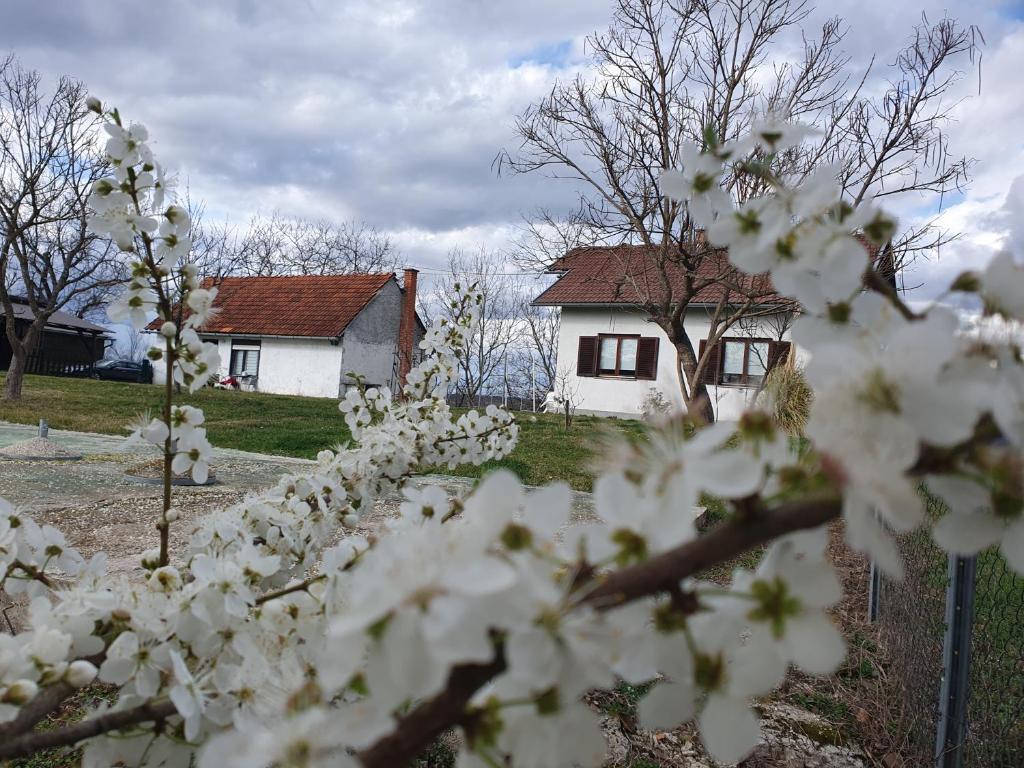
{"x": 778, "y": 352}
{"x": 713, "y": 366}
{"x": 647, "y": 358}
{"x": 586, "y": 358}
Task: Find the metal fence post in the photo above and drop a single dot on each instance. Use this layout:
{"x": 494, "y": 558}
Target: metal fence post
{"x": 953, "y": 696}
{"x": 874, "y": 592}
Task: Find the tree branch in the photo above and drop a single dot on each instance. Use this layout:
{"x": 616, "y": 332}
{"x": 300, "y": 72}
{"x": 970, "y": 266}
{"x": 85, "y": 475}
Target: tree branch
{"x": 430, "y": 719}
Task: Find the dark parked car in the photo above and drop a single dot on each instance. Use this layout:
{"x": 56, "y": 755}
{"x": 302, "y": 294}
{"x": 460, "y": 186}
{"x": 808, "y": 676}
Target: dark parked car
{"x": 125, "y": 370}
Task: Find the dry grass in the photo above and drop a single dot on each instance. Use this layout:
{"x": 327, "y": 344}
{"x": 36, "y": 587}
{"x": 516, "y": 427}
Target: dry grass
{"x": 788, "y": 397}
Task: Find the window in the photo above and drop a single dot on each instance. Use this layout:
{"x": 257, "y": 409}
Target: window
{"x": 245, "y": 358}
{"x": 742, "y": 362}
{"x": 618, "y": 356}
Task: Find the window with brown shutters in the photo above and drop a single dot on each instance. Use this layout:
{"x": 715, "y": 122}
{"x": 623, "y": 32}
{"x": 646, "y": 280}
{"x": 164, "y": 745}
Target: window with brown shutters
{"x": 742, "y": 362}
{"x": 778, "y": 353}
{"x": 713, "y": 364}
{"x": 647, "y": 358}
{"x": 620, "y": 356}
{"x": 586, "y": 356}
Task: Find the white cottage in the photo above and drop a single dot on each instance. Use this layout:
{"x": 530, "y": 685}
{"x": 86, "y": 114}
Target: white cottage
{"x": 615, "y": 361}
{"x": 312, "y": 335}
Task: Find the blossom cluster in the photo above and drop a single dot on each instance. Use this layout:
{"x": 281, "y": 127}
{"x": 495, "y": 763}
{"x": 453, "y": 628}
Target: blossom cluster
{"x": 282, "y": 636}
{"x": 894, "y": 389}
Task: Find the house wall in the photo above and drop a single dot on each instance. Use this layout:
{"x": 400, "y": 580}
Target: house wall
{"x": 370, "y": 342}
{"x": 309, "y": 367}
{"x": 626, "y": 397}
{"x": 289, "y": 366}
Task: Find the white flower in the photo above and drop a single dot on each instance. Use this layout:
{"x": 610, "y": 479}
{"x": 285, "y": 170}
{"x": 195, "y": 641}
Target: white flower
{"x": 973, "y": 523}
{"x": 128, "y": 659}
{"x": 775, "y": 134}
{"x": 789, "y": 593}
{"x": 188, "y": 697}
{"x": 1002, "y": 286}
{"x": 200, "y": 303}
{"x": 192, "y": 454}
{"x": 124, "y": 146}
{"x": 750, "y": 233}
{"x": 134, "y": 306}
{"x": 699, "y": 184}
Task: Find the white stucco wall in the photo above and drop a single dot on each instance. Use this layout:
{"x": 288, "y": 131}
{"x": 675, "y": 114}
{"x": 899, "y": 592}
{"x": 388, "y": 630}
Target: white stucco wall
{"x": 626, "y": 397}
{"x": 310, "y": 367}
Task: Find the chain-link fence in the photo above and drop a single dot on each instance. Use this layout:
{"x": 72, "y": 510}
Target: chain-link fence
{"x": 995, "y": 703}
{"x": 911, "y": 617}
{"x": 954, "y": 631}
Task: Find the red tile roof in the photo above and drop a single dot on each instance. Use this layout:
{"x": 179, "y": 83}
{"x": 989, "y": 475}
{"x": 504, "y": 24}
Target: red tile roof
{"x": 319, "y": 306}
{"x": 628, "y": 274}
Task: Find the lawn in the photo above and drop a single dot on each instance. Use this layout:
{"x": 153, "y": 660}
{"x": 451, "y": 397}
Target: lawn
{"x": 285, "y": 425}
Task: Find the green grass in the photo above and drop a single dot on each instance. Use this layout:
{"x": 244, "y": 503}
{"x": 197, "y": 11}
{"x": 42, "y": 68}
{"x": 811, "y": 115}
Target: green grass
{"x": 286, "y": 425}
{"x": 548, "y": 451}
{"x": 278, "y": 424}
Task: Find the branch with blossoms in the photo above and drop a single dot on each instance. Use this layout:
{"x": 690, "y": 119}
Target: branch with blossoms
{"x": 278, "y": 637}
{"x": 130, "y": 208}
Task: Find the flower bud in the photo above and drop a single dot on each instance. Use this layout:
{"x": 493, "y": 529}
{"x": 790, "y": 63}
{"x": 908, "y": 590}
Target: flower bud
{"x": 168, "y": 330}
{"x": 151, "y": 559}
{"x": 967, "y": 282}
{"x": 80, "y": 673}
{"x": 19, "y": 692}
{"x": 94, "y": 105}
{"x": 171, "y": 514}
{"x": 165, "y": 579}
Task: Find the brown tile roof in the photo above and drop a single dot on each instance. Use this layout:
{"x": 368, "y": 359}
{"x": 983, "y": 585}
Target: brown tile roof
{"x": 59, "y": 319}
{"x": 319, "y": 306}
{"x": 626, "y": 274}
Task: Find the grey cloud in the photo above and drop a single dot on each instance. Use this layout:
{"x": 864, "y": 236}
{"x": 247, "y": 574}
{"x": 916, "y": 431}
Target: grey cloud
{"x": 389, "y": 111}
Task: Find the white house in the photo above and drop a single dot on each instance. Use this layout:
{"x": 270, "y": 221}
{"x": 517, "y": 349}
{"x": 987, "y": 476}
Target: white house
{"x": 615, "y": 361}
{"x": 312, "y": 335}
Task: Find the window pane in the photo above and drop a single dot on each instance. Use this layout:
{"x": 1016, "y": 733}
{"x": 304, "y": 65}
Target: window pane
{"x": 252, "y": 362}
{"x": 732, "y": 368}
{"x": 757, "y": 362}
{"x": 627, "y": 357}
{"x": 607, "y": 360}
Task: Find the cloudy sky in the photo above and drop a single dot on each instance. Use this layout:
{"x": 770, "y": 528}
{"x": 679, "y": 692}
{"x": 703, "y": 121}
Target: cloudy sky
{"x": 392, "y": 111}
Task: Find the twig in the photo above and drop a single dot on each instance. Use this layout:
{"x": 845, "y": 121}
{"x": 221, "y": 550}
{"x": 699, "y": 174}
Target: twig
{"x": 30, "y": 743}
{"x": 299, "y": 587}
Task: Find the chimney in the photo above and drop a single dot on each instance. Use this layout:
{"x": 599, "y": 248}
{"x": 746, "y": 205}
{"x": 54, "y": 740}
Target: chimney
{"x": 407, "y": 326}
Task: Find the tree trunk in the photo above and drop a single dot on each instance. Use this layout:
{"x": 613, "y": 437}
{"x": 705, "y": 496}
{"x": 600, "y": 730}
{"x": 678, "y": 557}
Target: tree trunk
{"x": 696, "y": 398}
{"x": 15, "y": 376}
{"x": 19, "y": 361}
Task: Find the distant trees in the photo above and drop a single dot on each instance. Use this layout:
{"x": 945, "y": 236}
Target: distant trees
{"x": 49, "y": 159}
{"x": 513, "y": 350}
{"x": 284, "y": 245}
{"x": 669, "y": 74}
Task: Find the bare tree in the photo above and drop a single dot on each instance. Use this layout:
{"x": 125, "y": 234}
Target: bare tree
{"x": 534, "y": 356}
{"x": 499, "y": 330}
{"x": 131, "y": 345}
{"x": 564, "y": 396}
{"x": 49, "y": 159}
{"x": 280, "y": 245}
{"x": 669, "y": 73}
